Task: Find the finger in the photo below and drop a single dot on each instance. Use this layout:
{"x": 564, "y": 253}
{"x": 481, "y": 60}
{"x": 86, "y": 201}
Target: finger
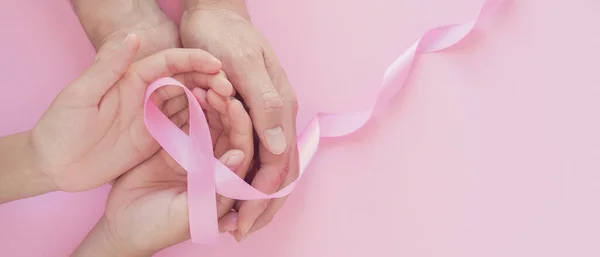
{"x": 165, "y": 93}
{"x": 186, "y": 128}
{"x": 228, "y": 222}
{"x": 241, "y": 133}
{"x": 251, "y": 79}
{"x": 191, "y": 80}
{"x": 216, "y": 101}
{"x": 275, "y": 204}
{"x": 254, "y": 166}
{"x": 200, "y": 95}
{"x": 170, "y": 62}
{"x": 220, "y": 121}
{"x": 221, "y": 85}
{"x": 212, "y": 116}
{"x": 290, "y": 165}
{"x": 215, "y": 81}
{"x": 268, "y": 179}
{"x": 175, "y": 105}
{"x": 240, "y": 137}
{"x": 180, "y": 118}
{"x": 232, "y": 159}
{"x": 105, "y": 72}
{"x": 274, "y": 169}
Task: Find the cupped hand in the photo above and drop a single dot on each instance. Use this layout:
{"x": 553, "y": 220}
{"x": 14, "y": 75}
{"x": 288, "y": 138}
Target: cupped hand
{"x": 147, "y": 207}
{"x": 254, "y": 71}
{"x": 94, "y": 130}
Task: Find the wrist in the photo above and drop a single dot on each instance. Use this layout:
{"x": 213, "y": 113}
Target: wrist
{"x": 105, "y": 19}
{"x": 101, "y": 242}
{"x": 20, "y": 173}
{"x": 237, "y": 6}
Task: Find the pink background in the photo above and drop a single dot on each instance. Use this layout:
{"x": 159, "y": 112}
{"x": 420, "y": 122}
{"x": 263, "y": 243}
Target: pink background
{"x": 492, "y": 149}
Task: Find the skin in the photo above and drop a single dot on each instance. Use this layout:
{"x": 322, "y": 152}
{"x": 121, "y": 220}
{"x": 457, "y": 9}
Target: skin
{"x": 85, "y": 139}
{"x": 147, "y": 209}
{"x": 94, "y": 131}
{"x": 222, "y": 28}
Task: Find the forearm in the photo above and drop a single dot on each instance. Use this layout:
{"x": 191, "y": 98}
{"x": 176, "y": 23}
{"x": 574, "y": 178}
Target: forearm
{"x": 19, "y": 175}
{"x": 101, "y": 18}
{"x": 99, "y": 243}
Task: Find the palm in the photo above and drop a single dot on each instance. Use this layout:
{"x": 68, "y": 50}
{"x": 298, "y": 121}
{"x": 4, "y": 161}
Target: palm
{"x": 144, "y": 204}
{"x": 88, "y": 138}
{"x": 147, "y": 205}
{"x": 95, "y": 139}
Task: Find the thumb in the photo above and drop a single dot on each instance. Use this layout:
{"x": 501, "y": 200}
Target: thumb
{"x": 108, "y": 68}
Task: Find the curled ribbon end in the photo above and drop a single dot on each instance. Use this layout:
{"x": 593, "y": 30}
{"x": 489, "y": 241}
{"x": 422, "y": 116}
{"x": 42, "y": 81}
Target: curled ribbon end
{"x": 206, "y": 175}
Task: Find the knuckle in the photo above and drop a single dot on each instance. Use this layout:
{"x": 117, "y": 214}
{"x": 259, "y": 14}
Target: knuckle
{"x": 170, "y": 64}
{"x": 115, "y": 72}
{"x": 180, "y": 119}
{"x": 270, "y": 99}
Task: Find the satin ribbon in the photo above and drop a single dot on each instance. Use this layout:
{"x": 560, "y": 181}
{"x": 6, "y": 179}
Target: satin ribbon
{"x": 207, "y": 175}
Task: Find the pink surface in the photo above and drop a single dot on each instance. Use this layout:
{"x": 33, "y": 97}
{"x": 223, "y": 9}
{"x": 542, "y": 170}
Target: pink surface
{"x": 206, "y": 175}
{"x": 491, "y": 150}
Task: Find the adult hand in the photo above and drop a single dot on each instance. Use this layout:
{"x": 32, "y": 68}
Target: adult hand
{"x": 223, "y": 28}
{"x": 94, "y": 130}
{"x": 147, "y": 208}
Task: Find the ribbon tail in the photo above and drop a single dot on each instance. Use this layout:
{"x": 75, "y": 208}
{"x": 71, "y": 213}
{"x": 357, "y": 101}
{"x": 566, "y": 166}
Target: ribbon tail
{"x": 206, "y": 175}
{"x": 202, "y": 200}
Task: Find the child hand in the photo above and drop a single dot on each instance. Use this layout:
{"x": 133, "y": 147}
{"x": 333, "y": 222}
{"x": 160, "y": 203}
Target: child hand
{"x": 147, "y": 207}
{"x": 94, "y": 130}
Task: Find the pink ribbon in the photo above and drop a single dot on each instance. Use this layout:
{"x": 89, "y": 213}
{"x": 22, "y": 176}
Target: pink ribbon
{"x": 207, "y": 175}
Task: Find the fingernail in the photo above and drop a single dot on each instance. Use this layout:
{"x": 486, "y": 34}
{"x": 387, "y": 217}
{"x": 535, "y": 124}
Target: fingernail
{"x": 234, "y": 161}
{"x": 239, "y": 236}
{"x": 275, "y": 140}
{"x": 232, "y": 224}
